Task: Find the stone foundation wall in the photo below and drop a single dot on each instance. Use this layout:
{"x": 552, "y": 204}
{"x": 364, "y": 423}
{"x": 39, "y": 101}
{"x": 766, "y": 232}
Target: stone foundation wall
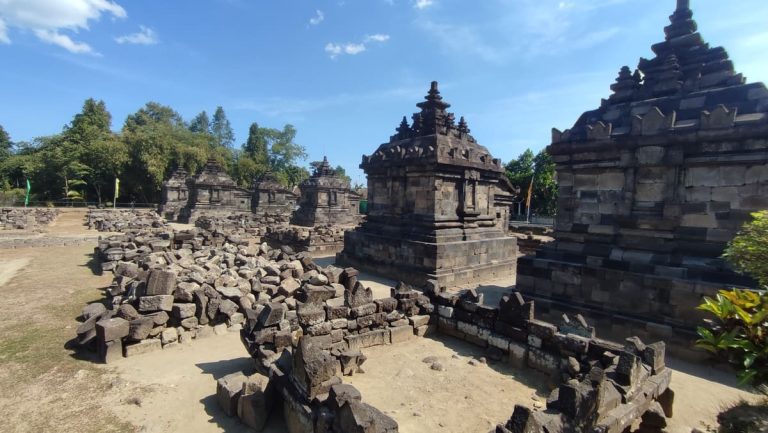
{"x": 451, "y": 263}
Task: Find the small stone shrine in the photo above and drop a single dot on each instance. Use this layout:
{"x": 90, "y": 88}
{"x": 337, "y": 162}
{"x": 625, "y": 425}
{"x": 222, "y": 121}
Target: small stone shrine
{"x": 271, "y": 198}
{"x": 431, "y": 205}
{"x": 175, "y": 194}
{"x": 213, "y": 193}
{"x": 326, "y": 199}
{"x": 653, "y": 184}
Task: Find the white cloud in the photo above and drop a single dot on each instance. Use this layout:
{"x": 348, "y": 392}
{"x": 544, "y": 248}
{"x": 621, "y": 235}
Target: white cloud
{"x": 353, "y": 48}
{"x": 4, "y": 39}
{"x": 423, "y": 4}
{"x": 47, "y": 19}
{"x": 145, "y": 36}
{"x": 64, "y": 41}
{"x": 377, "y": 38}
{"x": 318, "y": 18}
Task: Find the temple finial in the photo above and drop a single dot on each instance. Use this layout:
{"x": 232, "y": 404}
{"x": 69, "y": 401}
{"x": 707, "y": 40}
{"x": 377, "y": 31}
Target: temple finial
{"x": 463, "y": 127}
{"x": 682, "y": 21}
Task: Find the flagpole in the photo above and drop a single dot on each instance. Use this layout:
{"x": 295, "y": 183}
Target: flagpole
{"x": 530, "y": 195}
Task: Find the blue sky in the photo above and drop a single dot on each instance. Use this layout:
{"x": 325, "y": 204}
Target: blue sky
{"x": 344, "y": 72}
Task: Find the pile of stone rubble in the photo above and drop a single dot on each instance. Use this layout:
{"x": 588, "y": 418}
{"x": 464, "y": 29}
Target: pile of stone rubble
{"x": 605, "y": 387}
{"x": 120, "y": 220}
{"x": 320, "y": 240}
{"x": 302, "y": 354}
{"x": 306, "y": 327}
{"x": 250, "y": 225}
{"x": 26, "y": 219}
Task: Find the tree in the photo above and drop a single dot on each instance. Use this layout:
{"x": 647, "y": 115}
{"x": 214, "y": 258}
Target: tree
{"x": 340, "y": 172}
{"x": 157, "y": 141}
{"x": 283, "y": 152}
{"x": 201, "y": 124}
{"x": 5, "y": 144}
{"x": 221, "y": 129}
{"x": 521, "y": 171}
{"x": 748, "y": 251}
{"x": 93, "y": 155}
{"x": 257, "y": 146}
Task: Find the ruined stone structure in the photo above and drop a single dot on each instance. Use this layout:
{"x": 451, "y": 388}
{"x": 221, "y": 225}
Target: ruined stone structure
{"x": 213, "y": 192}
{"x": 271, "y": 198}
{"x": 326, "y": 199}
{"x": 431, "y": 205}
{"x": 653, "y": 184}
{"x": 175, "y": 195}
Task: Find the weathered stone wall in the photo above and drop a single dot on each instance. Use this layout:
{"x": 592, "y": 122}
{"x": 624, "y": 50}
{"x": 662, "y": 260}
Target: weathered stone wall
{"x": 652, "y": 186}
{"x": 174, "y": 195}
{"x": 212, "y": 193}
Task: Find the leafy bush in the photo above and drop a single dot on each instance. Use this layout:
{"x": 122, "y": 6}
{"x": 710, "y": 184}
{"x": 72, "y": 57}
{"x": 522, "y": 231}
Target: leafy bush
{"x": 748, "y": 251}
{"x": 740, "y": 328}
{"x": 739, "y": 333}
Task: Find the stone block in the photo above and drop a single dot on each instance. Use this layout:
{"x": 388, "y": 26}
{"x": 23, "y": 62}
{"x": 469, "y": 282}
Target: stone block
{"x": 228, "y": 391}
{"x": 142, "y": 347}
{"x": 110, "y": 351}
{"x": 255, "y": 402}
{"x": 161, "y": 283}
{"x": 372, "y": 338}
{"x": 112, "y": 329}
{"x": 183, "y": 311}
{"x": 155, "y": 303}
{"x": 401, "y": 333}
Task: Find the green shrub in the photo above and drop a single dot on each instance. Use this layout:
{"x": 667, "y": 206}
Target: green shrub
{"x": 739, "y": 332}
{"x": 748, "y": 251}
{"x": 739, "y": 329}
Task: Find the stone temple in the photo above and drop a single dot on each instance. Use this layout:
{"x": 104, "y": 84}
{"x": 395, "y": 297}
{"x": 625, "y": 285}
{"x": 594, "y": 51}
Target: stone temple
{"x": 653, "y": 184}
{"x": 432, "y": 211}
{"x": 270, "y": 198}
{"x": 326, "y": 198}
{"x": 175, "y": 194}
{"x": 213, "y": 193}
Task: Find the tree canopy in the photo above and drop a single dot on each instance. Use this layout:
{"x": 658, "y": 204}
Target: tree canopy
{"x": 541, "y": 169}
{"x": 221, "y": 129}
{"x": 82, "y": 162}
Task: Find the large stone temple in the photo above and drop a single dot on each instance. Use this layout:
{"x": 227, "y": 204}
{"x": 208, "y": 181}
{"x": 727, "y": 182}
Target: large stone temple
{"x": 653, "y": 184}
{"x": 213, "y": 193}
{"x": 326, "y": 198}
{"x": 432, "y": 212}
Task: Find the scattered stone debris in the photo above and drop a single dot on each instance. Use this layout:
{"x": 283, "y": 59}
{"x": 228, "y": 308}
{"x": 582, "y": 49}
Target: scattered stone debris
{"x": 120, "y": 220}
{"x": 12, "y": 218}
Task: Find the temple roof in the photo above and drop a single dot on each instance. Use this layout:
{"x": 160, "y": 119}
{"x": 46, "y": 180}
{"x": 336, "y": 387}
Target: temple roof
{"x": 433, "y": 136}
{"x": 213, "y": 173}
{"x": 687, "y": 86}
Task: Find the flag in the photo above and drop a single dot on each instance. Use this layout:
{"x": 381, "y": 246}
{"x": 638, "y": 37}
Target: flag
{"x": 26, "y": 198}
{"x": 117, "y": 192}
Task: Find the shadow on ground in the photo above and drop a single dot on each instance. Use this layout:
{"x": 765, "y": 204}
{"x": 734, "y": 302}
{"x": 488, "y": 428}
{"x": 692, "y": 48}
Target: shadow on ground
{"x": 219, "y": 369}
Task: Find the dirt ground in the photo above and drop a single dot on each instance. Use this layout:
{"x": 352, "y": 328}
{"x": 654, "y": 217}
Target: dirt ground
{"x": 49, "y": 387}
